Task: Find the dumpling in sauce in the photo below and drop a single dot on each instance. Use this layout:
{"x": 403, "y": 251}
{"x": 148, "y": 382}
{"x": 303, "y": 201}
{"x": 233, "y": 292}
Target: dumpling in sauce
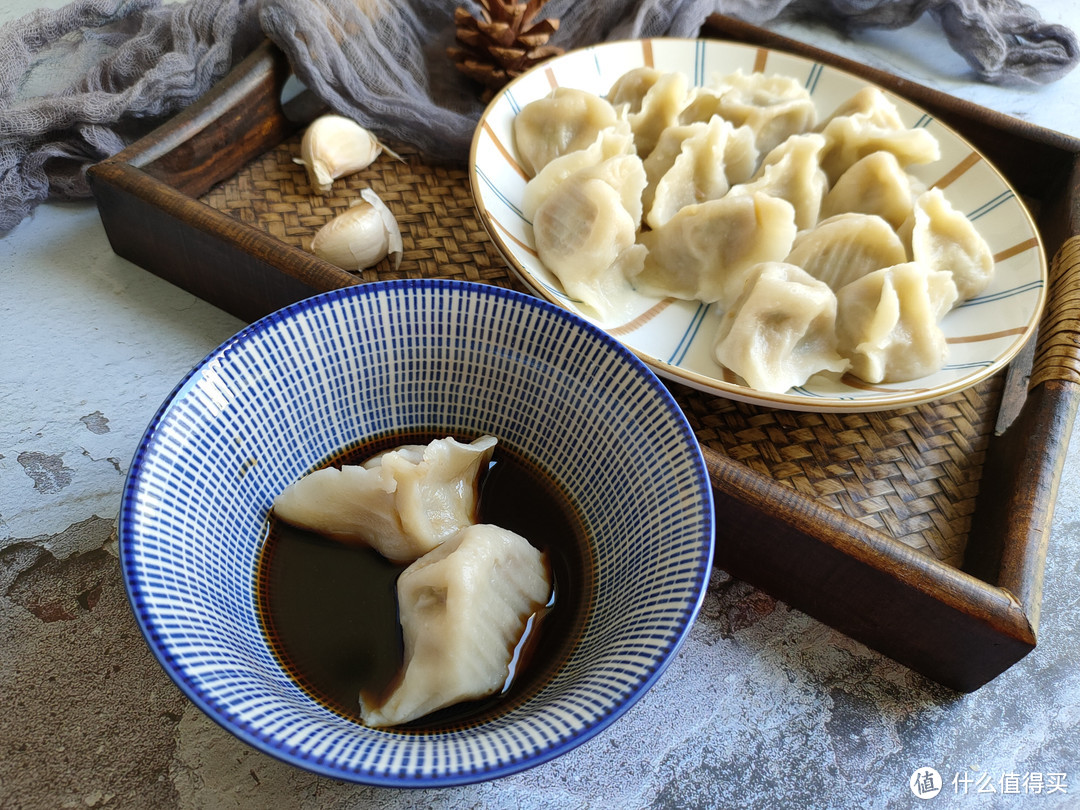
{"x": 774, "y": 107}
{"x": 846, "y": 247}
{"x": 611, "y": 142}
{"x": 564, "y": 121}
{"x": 402, "y": 503}
{"x": 693, "y": 163}
{"x": 585, "y": 233}
{"x": 888, "y": 322}
{"x": 793, "y": 172}
{"x": 875, "y": 184}
{"x": 705, "y": 251}
{"x": 869, "y": 122}
{"x": 943, "y": 238}
{"x": 781, "y": 330}
{"x": 464, "y": 607}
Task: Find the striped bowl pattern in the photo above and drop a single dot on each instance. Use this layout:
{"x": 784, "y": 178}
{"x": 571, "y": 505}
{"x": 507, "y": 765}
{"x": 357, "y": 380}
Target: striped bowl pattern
{"x": 675, "y": 337}
{"x": 297, "y": 387}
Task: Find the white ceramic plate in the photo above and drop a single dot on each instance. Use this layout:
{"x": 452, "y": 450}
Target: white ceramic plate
{"x": 675, "y": 337}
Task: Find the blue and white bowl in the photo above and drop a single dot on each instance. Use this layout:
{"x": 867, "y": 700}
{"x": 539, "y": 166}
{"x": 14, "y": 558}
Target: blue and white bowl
{"x": 294, "y": 389}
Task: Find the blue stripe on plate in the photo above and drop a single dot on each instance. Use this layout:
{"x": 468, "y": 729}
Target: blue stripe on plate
{"x": 502, "y": 197}
{"x": 691, "y": 332}
{"x": 989, "y": 206}
{"x": 1002, "y": 295}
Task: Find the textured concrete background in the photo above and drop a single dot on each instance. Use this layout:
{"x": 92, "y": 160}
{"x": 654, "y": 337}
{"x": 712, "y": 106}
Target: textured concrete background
{"x": 763, "y": 707}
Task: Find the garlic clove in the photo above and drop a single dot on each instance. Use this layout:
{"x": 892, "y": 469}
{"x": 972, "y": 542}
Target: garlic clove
{"x": 360, "y": 237}
{"x": 395, "y": 247}
{"x": 334, "y": 146}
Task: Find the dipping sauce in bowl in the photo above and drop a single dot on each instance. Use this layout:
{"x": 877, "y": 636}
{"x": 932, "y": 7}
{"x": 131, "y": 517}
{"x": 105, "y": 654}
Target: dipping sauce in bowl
{"x": 274, "y": 633}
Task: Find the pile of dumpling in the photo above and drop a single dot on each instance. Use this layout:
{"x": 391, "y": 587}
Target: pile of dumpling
{"x": 825, "y": 254}
{"x": 470, "y": 589}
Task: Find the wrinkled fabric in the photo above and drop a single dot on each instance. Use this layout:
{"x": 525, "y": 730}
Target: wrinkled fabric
{"x": 79, "y": 83}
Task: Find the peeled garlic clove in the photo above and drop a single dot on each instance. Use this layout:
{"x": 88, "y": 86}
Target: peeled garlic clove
{"x": 334, "y": 146}
{"x": 361, "y": 236}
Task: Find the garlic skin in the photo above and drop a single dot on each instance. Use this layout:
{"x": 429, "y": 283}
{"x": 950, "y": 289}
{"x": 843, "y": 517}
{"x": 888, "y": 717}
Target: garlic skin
{"x": 360, "y": 237}
{"x": 334, "y": 146}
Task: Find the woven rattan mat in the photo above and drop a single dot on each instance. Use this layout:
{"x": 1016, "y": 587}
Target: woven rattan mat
{"x": 911, "y": 473}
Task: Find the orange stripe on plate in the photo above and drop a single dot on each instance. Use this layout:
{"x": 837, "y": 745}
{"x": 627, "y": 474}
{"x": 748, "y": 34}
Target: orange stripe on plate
{"x": 643, "y": 318}
{"x": 957, "y": 170}
{"x": 760, "y": 59}
{"x": 528, "y": 248}
{"x": 1008, "y": 253}
{"x": 505, "y": 152}
{"x": 646, "y": 52}
{"x": 1019, "y": 330}
{"x": 550, "y": 74}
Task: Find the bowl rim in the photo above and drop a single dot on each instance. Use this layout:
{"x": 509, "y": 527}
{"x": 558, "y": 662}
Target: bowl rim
{"x": 908, "y": 397}
{"x": 128, "y": 550}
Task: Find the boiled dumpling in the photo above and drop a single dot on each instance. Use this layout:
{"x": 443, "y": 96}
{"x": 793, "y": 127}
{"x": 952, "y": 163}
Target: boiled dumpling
{"x": 585, "y": 233}
{"x": 943, "y": 238}
{"x": 781, "y": 330}
{"x": 792, "y": 172}
{"x": 705, "y": 250}
{"x": 774, "y": 107}
{"x": 669, "y": 148}
{"x": 868, "y": 122}
{"x": 463, "y": 608}
{"x": 888, "y": 322}
{"x": 564, "y": 121}
{"x": 693, "y": 163}
{"x": 630, "y": 88}
{"x": 402, "y": 503}
{"x": 846, "y": 247}
{"x": 875, "y": 184}
{"x": 660, "y": 108}
{"x": 611, "y": 142}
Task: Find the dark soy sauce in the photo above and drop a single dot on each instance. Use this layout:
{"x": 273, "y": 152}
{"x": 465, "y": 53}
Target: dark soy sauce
{"x": 329, "y": 609}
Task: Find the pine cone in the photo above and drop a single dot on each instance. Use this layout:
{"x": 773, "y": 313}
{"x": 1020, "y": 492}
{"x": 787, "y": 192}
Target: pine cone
{"x": 502, "y": 45}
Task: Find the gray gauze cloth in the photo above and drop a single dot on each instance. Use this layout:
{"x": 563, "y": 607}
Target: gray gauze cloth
{"x": 79, "y": 83}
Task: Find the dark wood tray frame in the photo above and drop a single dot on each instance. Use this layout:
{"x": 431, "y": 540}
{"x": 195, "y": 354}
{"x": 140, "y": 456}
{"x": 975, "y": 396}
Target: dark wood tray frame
{"x": 958, "y": 627}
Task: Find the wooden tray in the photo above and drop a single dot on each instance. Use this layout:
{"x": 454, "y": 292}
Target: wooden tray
{"x": 921, "y": 532}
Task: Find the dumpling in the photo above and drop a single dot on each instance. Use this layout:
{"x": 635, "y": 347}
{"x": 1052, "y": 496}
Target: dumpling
{"x": 846, "y": 247}
{"x": 888, "y": 322}
{"x": 402, "y": 503}
{"x": 705, "y": 251}
{"x": 781, "y": 330}
{"x": 564, "y": 121}
{"x": 943, "y": 238}
{"x": 792, "y": 172}
{"x": 611, "y": 142}
{"x": 463, "y": 608}
{"x": 660, "y": 108}
{"x": 774, "y": 107}
{"x": 692, "y": 163}
{"x": 875, "y": 184}
{"x": 630, "y": 88}
{"x": 868, "y": 122}
{"x": 585, "y": 233}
